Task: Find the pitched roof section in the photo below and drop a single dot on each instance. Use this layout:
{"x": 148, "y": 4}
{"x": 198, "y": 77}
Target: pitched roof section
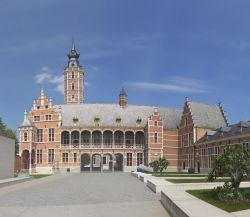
{"x": 241, "y": 128}
{"x": 207, "y": 116}
{"x": 108, "y": 113}
{"x": 171, "y": 117}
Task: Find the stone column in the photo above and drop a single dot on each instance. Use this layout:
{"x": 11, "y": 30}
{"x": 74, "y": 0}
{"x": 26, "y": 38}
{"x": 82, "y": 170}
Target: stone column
{"x": 124, "y": 139}
{"x": 134, "y": 146}
{"x": 101, "y": 163}
{"x": 80, "y": 139}
{"x": 91, "y": 144}
{"x": 113, "y": 165}
{"x": 90, "y": 162}
{"x": 70, "y": 145}
{"x": 102, "y": 141}
{"x": 113, "y": 142}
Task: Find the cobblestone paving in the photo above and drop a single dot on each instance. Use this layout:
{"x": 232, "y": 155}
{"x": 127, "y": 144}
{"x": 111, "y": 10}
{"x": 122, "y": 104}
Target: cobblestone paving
{"x": 84, "y": 188}
{"x": 76, "y": 191}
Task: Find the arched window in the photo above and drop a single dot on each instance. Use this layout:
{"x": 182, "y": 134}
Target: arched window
{"x": 65, "y": 138}
{"x": 75, "y": 136}
{"x": 119, "y": 139}
{"x": 96, "y": 138}
{"x": 85, "y": 138}
{"x": 108, "y": 138}
{"x": 129, "y": 139}
{"x": 139, "y": 138}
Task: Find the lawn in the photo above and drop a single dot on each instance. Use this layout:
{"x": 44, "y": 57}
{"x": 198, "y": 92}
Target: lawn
{"x": 38, "y": 176}
{"x": 179, "y": 181}
{"x": 176, "y": 174}
{"x": 211, "y": 197}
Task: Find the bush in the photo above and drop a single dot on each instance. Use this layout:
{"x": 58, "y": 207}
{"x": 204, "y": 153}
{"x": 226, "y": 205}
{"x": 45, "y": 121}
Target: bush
{"x": 229, "y": 194}
{"x": 191, "y": 170}
{"x": 159, "y": 165}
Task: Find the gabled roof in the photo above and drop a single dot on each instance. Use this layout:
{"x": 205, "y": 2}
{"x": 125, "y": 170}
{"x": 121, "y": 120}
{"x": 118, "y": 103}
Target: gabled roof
{"x": 108, "y": 113}
{"x": 207, "y": 116}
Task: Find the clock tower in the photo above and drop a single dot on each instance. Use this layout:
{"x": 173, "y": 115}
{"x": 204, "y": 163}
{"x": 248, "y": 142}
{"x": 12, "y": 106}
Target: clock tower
{"x": 73, "y": 79}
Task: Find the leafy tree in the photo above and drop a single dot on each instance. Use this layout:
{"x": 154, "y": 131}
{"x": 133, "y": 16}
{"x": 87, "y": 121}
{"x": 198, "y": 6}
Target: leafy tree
{"x": 159, "y": 165}
{"x": 155, "y": 165}
{"x": 234, "y": 162}
{"x": 9, "y": 133}
{"x": 163, "y": 164}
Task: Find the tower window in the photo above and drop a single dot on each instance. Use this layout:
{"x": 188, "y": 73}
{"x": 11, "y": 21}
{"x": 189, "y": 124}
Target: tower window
{"x": 73, "y": 86}
{"x": 156, "y": 124}
{"x": 25, "y": 137}
{"x": 73, "y": 96}
{"x": 156, "y": 138}
{"x": 73, "y": 74}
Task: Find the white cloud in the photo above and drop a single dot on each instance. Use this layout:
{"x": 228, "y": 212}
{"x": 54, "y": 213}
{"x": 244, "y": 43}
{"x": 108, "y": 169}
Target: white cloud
{"x": 175, "y": 84}
{"x": 46, "y": 75}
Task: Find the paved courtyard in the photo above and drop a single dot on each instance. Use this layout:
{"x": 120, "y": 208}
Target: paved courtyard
{"x": 85, "y": 194}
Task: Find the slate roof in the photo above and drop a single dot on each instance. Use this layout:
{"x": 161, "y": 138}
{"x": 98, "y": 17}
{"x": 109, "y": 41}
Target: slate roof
{"x": 26, "y": 123}
{"x": 207, "y": 116}
{"x": 241, "y": 128}
{"x": 108, "y": 113}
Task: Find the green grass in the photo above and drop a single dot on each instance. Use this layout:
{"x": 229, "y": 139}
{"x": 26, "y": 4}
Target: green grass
{"x": 38, "y": 176}
{"x": 176, "y": 174}
{"x": 211, "y": 197}
{"x": 179, "y": 181}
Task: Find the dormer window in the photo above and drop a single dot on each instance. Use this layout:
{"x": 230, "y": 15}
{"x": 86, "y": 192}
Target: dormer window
{"x": 97, "y": 121}
{"x": 75, "y": 120}
{"x": 138, "y": 121}
{"x": 118, "y": 120}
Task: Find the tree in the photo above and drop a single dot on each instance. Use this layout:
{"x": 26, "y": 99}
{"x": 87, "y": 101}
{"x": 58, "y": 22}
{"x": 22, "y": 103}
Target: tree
{"x": 159, "y": 164}
{"x": 234, "y": 162}
{"x": 163, "y": 164}
{"x": 9, "y": 133}
{"x": 155, "y": 165}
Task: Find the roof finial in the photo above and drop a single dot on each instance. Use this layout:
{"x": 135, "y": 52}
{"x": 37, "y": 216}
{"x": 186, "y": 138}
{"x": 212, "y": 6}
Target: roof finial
{"x": 73, "y": 44}
{"x": 25, "y": 114}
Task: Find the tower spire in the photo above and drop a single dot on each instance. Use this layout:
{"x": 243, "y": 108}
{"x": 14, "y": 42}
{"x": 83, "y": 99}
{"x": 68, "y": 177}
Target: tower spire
{"x": 73, "y": 44}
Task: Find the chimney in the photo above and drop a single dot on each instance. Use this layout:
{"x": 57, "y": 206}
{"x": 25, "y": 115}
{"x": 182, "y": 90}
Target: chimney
{"x": 123, "y": 98}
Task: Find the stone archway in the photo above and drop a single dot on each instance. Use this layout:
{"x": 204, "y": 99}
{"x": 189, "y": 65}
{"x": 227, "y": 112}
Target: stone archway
{"x": 96, "y": 163}
{"x": 85, "y": 162}
{"x": 107, "y": 163}
{"x": 118, "y": 164}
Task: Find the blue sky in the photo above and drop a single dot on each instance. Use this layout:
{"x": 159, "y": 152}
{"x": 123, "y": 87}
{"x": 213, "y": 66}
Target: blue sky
{"x": 160, "y": 51}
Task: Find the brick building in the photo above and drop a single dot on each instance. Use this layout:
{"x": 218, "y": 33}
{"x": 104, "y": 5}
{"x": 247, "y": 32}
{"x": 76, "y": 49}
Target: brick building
{"x": 77, "y": 136}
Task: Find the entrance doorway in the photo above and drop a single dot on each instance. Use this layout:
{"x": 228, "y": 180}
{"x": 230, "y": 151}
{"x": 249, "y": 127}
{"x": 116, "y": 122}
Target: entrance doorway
{"x": 118, "y": 164}
{"x": 85, "y": 162}
{"x": 96, "y": 162}
{"x": 107, "y": 163}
